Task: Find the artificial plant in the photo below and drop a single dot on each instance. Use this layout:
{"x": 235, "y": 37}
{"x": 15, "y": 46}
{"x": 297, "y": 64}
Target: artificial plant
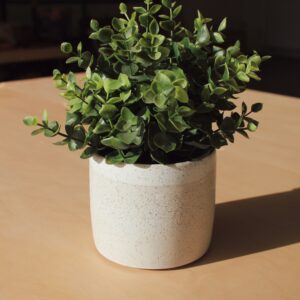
{"x": 154, "y": 92}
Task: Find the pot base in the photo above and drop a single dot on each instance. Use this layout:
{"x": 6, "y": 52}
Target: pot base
{"x": 159, "y": 266}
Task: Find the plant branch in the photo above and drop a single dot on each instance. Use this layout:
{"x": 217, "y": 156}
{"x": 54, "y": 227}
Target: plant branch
{"x": 64, "y": 135}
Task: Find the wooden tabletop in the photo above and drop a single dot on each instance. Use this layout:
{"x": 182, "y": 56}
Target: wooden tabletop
{"x": 46, "y": 246}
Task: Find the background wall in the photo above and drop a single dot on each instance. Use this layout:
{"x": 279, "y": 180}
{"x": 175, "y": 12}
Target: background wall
{"x": 31, "y": 31}
{"x": 263, "y": 24}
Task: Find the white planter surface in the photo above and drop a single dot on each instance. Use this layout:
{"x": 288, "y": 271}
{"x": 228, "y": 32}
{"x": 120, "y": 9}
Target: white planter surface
{"x": 153, "y": 216}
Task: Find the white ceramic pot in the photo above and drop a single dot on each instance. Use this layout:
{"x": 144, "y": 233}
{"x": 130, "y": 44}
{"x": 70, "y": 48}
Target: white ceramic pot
{"x": 153, "y": 216}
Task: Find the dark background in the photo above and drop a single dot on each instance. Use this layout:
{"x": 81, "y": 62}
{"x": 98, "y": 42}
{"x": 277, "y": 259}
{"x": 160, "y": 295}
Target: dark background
{"x": 31, "y": 32}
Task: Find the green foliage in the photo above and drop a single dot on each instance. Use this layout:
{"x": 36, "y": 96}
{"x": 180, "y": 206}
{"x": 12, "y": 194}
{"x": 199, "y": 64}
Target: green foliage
{"x": 154, "y": 92}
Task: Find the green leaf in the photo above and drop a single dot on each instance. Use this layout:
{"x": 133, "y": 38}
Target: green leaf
{"x": 85, "y": 60}
{"x": 94, "y": 36}
{"x": 165, "y": 17}
{"x": 30, "y": 121}
{"x": 128, "y": 116}
{"x": 198, "y": 145}
{"x": 111, "y": 85}
{"x": 181, "y": 95}
{"x": 160, "y": 100}
{"x": 220, "y": 91}
{"x": 206, "y": 107}
{"x": 183, "y": 83}
{"x": 154, "y": 27}
{"x": 144, "y": 20}
{"x": 118, "y": 24}
{"x": 77, "y": 141}
{"x": 101, "y": 127}
{"x": 108, "y": 111}
{"x": 218, "y": 37}
{"x": 179, "y": 124}
{"x": 74, "y": 145}
{"x": 223, "y": 25}
{"x": 206, "y": 93}
{"x": 238, "y": 119}
{"x": 226, "y": 74}
{"x": 177, "y": 11}
{"x": 155, "y": 8}
{"x": 265, "y": 58}
{"x": 140, "y": 10}
{"x": 72, "y": 119}
{"x": 45, "y": 117}
{"x": 114, "y": 157}
{"x": 76, "y": 107}
{"x": 252, "y": 127}
{"x": 105, "y": 35}
{"x": 62, "y": 143}
{"x": 155, "y": 55}
{"x": 160, "y": 157}
{"x": 219, "y": 60}
{"x": 126, "y": 120}
{"x": 94, "y": 24}
{"x": 167, "y": 25}
{"x": 56, "y": 74}
{"x": 114, "y": 100}
{"x": 127, "y": 138}
{"x": 218, "y": 141}
{"x": 165, "y": 142}
{"x": 66, "y": 48}
{"x": 131, "y": 157}
{"x": 130, "y": 69}
{"x": 243, "y": 133}
{"x": 125, "y": 95}
{"x": 176, "y": 50}
{"x": 185, "y": 111}
{"x": 226, "y": 105}
{"x": 203, "y": 35}
{"x": 244, "y": 108}
{"x": 167, "y": 3}
{"x": 257, "y": 107}
{"x": 52, "y": 129}
{"x": 242, "y": 76}
{"x": 87, "y": 153}
{"x": 88, "y": 73}
{"x": 79, "y": 48}
{"x": 123, "y": 8}
{"x": 114, "y": 143}
{"x": 254, "y": 76}
{"x": 124, "y": 81}
{"x": 162, "y": 84}
{"x": 37, "y": 131}
{"x": 162, "y": 121}
{"x": 228, "y": 125}
{"x": 72, "y": 59}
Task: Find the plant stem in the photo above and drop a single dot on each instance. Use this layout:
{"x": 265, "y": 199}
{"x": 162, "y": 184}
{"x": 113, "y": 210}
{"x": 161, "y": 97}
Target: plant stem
{"x": 78, "y": 87}
{"x": 64, "y": 135}
{"x": 148, "y": 9}
{"x": 171, "y": 34}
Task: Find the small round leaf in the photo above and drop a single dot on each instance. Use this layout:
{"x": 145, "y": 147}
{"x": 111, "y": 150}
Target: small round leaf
{"x": 94, "y": 24}
{"x": 257, "y": 107}
{"x": 252, "y": 127}
{"x": 123, "y": 8}
{"x": 66, "y": 48}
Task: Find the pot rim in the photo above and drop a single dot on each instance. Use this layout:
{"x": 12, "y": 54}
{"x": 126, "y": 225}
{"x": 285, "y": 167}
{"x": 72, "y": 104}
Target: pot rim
{"x": 100, "y": 159}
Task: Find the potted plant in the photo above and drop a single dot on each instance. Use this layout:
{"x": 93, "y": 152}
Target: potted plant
{"x": 155, "y": 103}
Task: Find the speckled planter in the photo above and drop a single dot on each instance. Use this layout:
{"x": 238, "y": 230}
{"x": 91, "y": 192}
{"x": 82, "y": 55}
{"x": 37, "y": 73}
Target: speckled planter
{"x": 152, "y": 216}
